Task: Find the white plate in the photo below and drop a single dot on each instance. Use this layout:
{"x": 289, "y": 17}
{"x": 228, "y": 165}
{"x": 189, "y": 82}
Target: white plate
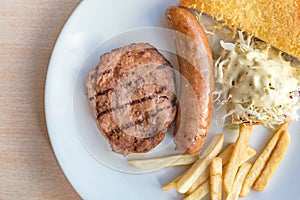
{"x": 69, "y": 117}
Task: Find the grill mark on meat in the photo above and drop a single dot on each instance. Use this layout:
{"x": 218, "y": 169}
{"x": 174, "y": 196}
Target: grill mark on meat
{"x": 139, "y": 121}
{"x": 97, "y": 107}
{"x": 104, "y": 92}
{"x": 116, "y": 130}
{"x": 115, "y": 71}
{"x": 97, "y": 73}
{"x": 108, "y": 71}
{"x": 141, "y": 100}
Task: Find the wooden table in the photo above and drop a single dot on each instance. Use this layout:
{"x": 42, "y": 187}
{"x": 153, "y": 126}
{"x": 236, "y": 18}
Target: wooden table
{"x": 28, "y": 168}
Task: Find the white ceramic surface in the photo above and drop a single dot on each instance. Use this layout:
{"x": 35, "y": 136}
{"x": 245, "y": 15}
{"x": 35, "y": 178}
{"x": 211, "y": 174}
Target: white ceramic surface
{"x": 94, "y": 28}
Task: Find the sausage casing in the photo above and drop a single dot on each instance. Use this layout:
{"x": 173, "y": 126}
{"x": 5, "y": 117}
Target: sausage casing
{"x": 197, "y": 80}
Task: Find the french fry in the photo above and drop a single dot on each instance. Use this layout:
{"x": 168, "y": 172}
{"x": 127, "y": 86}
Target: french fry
{"x": 191, "y": 175}
{"x": 225, "y": 155}
{"x": 172, "y": 183}
{"x": 238, "y": 181}
{"x": 239, "y": 151}
{"x": 200, "y": 192}
{"x": 250, "y": 153}
{"x": 273, "y": 162}
{"x": 200, "y": 180}
{"x": 216, "y": 179}
{"x": 261, "y": 161}
{"x": 168, "y": 161}
{"x": 205, "y": 174}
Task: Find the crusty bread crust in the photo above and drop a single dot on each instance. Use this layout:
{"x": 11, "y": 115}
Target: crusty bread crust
{"x": 276, "y": 22}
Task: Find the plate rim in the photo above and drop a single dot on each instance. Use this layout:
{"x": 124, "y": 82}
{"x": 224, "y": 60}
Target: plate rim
{"x": 46, "y": 98}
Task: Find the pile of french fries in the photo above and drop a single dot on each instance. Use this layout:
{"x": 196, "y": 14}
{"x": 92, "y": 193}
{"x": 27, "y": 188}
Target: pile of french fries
{"x": 224, "y": 174}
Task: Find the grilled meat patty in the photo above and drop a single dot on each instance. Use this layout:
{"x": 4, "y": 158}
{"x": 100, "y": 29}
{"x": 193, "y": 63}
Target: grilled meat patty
{"x": 132, "y": 93}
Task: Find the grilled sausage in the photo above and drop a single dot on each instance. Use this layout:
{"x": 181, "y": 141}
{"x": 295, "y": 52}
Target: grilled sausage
{"x": 197, "y": 82}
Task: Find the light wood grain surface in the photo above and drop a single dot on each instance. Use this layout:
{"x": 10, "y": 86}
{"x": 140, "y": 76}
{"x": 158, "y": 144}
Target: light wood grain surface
{"x": 28, "y": 31}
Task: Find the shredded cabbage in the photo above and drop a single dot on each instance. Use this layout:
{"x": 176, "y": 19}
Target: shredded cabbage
{"x": 249, "y": 111}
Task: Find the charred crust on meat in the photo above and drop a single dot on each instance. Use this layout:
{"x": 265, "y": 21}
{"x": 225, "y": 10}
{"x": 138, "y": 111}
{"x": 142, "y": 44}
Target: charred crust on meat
{"x": 104, "y": 92}
{"x": 106, "y": 72}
